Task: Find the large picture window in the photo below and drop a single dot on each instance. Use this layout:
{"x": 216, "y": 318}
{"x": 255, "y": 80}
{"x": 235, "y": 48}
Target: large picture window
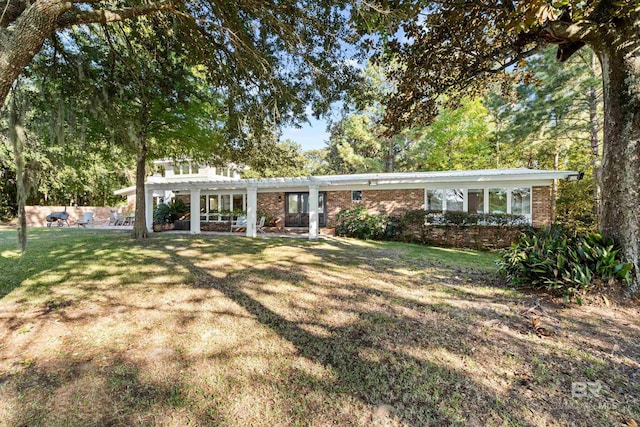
{"x": 515, "y": 201}
{"x": 219, "y": 206}
{"x": 434, "y": 200}
{"x": 455, "y": 200}
{"x": 498, "y": 200}
{"x": 521, "y": 201}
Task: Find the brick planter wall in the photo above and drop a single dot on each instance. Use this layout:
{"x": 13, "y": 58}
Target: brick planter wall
{"x": 481, "y": 237}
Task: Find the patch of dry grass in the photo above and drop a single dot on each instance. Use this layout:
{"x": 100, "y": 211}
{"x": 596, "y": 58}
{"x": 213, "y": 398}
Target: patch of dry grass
{"x": 96, "y": 329}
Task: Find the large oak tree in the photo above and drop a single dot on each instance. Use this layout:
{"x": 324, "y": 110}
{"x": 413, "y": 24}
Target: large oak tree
{"x": 454, "y": 47}
{"x": 269, "y": 59}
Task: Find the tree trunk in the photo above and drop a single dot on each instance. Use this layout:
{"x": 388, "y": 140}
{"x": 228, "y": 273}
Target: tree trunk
{"x": 140, "y": 224}
{"x": 594, "y": 129}
{"x": 17, "y": 137}
{"x": 554, "y": 188}
{"x": 390, "y": 155}
{"x": 24, "y": 40}
{"x": 620, "y": 59}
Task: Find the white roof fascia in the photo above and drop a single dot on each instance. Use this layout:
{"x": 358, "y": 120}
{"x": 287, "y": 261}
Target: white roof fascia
{"x": 125, "y": 191}
{"x": 468, "y": 179}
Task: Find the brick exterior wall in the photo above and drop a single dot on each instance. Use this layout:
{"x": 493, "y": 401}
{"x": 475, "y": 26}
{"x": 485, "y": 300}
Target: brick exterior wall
{"x": 335, "y": 202}
{"x": 541, "y": 206}
{"x": 269, "y": 203}
{"x": 379, "y": 202}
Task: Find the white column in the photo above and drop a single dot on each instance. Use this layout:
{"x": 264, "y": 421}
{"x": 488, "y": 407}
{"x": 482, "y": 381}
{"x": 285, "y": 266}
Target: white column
{"x": 148, "y": 209}
{"x": 313, "y": 212}
{"x": 252, "y": 211}
{"x": 194, "y": 217}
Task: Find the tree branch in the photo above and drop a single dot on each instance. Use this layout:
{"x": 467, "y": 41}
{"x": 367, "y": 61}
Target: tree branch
{"x": 557, "y": 32}
{"x": 76, "y": 16}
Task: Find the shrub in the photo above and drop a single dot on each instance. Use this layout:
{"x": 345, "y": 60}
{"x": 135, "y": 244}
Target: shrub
{"x": 359, "y": 223}
{"x": 561, "y": 262}
{"x": 166, "y": 213}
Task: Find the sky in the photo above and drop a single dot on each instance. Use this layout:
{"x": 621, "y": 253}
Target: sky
{"x": 311, "y": 136}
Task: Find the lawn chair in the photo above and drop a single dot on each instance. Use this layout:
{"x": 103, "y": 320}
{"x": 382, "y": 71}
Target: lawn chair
{"x": 87, "y": 218}
{"x": 112, "y": 218}
{"x": 240, "y": 224}
{"x": 260, "y": 225}
{"x": 120, "y": 219}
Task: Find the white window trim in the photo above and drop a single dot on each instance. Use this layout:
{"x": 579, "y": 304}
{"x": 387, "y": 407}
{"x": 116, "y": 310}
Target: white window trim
{"x": 465, "y": 201}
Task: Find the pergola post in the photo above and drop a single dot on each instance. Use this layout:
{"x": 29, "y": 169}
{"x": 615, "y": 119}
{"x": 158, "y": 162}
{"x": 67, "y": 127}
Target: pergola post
{"x": 194, "y": 216}
{"x": 148, "y": 209}
{"x": 313, "y": 212}
{"x": 252, "y": 211}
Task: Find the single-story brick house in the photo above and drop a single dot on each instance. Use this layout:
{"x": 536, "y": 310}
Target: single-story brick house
{"x": 312, "y": 202}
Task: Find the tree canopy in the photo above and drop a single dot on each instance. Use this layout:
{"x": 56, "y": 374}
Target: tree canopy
{"x": 460, "y": 49}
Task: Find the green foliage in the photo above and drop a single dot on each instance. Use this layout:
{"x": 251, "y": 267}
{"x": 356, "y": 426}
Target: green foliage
{"x": 562, "y": 263}
{"x": 284, "y": 158}
{"x": 465, "y": 218}
{"x": 358, "y": 223}
{"x": 166, "y": 213}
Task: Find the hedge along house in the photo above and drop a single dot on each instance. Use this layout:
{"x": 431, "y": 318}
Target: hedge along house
{"x": 311, "y": 203}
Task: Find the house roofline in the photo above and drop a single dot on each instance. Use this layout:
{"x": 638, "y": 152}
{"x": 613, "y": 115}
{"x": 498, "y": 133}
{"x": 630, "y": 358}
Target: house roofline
{"x": 374, "y": 180}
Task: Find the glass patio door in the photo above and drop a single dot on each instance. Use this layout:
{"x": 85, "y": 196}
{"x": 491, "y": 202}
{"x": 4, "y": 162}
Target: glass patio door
{"x": 297, "y": 210}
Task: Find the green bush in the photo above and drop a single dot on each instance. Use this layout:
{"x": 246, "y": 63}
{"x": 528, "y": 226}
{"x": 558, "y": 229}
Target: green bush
{"x": 562, "y": 263}
{"x": 166, "y": 213}
{"x": 359, "y": 223}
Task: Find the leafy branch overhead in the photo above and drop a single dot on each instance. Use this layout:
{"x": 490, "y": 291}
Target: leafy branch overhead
{"x": 272, "y": 58}
{"x": 460, "y": 48}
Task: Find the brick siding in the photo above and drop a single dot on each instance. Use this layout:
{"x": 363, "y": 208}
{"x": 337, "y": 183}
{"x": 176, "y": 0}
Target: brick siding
{"x": 379, "y": 202}
{"x": 269, "y": 203}
{"x": 541, "y": 206}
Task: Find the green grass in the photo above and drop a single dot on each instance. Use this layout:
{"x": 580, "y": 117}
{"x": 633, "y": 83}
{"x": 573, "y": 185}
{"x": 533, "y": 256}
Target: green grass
{"x": 98, "y": 329}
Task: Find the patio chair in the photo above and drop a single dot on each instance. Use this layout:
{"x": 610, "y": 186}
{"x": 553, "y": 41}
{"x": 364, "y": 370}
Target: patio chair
{"x": 260, "y": 225}
{"x": 87, "y": 218}
{"x": 120, "y": 219}
{"x": 240, "y": 224}
{"x": 112, "y": 218}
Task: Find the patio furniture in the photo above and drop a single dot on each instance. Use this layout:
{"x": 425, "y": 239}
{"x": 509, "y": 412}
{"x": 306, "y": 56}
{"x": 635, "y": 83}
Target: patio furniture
{"x": 87, "y": 218}
{"x": 113, "y": 218}
{"x": 260, "y": 225}
{"x": 240, "y": 224}
{"x": 119, "y": 219}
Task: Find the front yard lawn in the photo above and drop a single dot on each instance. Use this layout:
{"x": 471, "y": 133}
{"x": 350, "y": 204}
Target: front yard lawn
{"x": 97, "y": 329}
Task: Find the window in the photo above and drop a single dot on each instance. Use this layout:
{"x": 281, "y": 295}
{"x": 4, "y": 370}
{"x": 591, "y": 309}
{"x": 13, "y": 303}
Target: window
{"x": 521, "y": 201}
{"x": 238, "y": 202}
{"x": 356, "y": 196}
{"x": 434, "y": 200}
{"x": 498, "y": 200}
{"x": 185, "y": 168}
{"x": 218, "y": 203}
{"x": 475, "y": 201}
{"x": 455, "y": 200}
{"x": 213, "y": 203}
